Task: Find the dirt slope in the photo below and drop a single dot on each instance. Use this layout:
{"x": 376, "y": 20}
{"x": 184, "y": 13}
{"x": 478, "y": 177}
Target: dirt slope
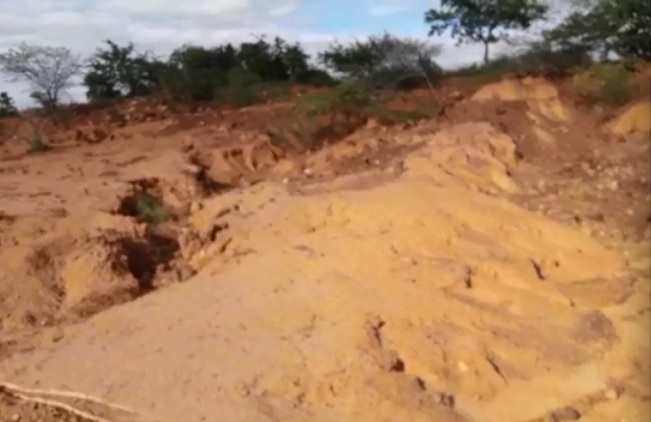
{"x": 451, "y": 271}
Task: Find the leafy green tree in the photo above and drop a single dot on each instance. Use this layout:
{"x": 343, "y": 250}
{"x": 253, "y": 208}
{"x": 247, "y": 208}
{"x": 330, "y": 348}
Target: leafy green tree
{"x": 605, "y": 26}
{"x": 115, "y": 71}
{"x": 7, "y": 107}
{"x": 48, "y": 70}
{"x": 200, "y": 73}
{"x": 264, "y": 59}
{"x": 236, "y": 73}
{"x": 384, "y": 60}
{"x": 294, "y": 60}
{"x": 478, "y": 21}
{"x": 195, "y": 72}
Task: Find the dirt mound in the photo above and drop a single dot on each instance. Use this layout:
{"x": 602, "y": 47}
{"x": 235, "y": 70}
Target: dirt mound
{"x": 442, "y": 270}
{"x": 541, "y": 96}
{"x": 635, "y": 119}
{"x": 516, "y": 308}
{"x": 234, "y": 165}
{"x": 473, "y": 152}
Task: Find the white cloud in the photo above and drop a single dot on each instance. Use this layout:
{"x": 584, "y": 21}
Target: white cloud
{"x": 155, "y": 25}
{"x": 162, "y": 25}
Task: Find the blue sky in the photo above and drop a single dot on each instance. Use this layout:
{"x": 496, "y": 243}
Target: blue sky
{"x": 345, "y": 16}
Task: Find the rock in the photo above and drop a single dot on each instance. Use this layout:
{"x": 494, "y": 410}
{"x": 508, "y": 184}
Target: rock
{"x": 195, "y": 206}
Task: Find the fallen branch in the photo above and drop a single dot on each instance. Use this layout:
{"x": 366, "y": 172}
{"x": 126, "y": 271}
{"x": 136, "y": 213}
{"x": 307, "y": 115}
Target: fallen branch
{"x": 26, "y": 394}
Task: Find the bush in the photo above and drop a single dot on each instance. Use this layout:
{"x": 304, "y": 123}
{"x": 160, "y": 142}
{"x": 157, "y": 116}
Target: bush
{"x": 7, "y": 108}
{"x": 538, "y": 60}
{"x": 36, "y": 144}
{"x": 349, "y": 96}
{"x": 609, "y": 83}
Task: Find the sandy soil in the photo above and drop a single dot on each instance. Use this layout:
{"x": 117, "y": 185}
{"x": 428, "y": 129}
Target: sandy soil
{"x": 489, "y": 265}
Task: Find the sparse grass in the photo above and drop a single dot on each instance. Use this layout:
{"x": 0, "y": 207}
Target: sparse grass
{"x": 608, "y": 83}
{"x": 479, "y": 74}
{"x": 349, "y": 96}
{"x": 536, "y": 61}
{"x": 149, "y": 209}
{"x": 388, "y": 116}
{"x": 332, "y": 114}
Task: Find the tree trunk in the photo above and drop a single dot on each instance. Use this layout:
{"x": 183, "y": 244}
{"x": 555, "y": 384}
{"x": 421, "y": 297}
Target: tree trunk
{"x": 486, "y": 45}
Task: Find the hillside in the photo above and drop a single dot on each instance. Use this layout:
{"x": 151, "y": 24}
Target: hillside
{"x": 488, "y": 262}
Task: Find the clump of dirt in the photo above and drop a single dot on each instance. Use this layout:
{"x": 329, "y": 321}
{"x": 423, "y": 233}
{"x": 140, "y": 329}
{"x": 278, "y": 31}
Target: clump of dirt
{"x": 221, "y": 168}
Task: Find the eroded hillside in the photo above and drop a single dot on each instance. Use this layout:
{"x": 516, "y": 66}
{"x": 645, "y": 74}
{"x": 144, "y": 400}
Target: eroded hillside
{"x": 489, "y": 264}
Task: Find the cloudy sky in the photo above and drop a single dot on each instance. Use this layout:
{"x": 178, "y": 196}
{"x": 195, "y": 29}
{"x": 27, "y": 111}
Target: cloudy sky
{"x": 162, "y": 25}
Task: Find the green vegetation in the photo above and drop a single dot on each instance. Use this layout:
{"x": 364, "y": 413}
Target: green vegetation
{"x": 479, "y": 21}
{"x": 606, "y": 27}
{"x": 36, "y": 144}
{"x": 7, "y": 107}
{"x": 386, "y": 61}
{"x": 609, "y": 83}
{"x": 148, "y": 208}
{"x": 365, "y": 74}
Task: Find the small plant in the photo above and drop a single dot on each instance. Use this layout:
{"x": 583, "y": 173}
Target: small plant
{"x": 148, "y": 208}
{"x": 36, "y": 144}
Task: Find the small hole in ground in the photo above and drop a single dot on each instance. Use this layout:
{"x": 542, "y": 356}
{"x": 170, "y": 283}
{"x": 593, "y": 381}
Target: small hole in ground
{"x": 398, "y": 366}
{"x": 145, "y": 257}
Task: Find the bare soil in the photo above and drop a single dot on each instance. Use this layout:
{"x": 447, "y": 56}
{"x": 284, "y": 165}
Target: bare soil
{"x": 490, "y": 264}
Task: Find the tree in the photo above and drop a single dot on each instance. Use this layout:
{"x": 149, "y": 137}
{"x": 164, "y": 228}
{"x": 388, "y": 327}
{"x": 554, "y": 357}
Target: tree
{"x": 48, "y": 70}
{"x": 384, "y": 60}
{"x": 116, "y": 71}
{"x": 605, "y": 26}
{"x": 7, "y": 107}
{"x": 479, "y": 20}
{"x": 263, "y": 59}
{"x": 195, "y": 72}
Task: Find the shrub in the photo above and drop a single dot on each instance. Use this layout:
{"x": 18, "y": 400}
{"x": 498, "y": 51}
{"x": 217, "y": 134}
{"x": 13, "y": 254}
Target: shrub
{"x": 36, "y": 144}
{"x": 609, "y": 83}
{"x": 350, "y": 96}
{"x": 149, "y": 209}
{"x": 7, "y": 107}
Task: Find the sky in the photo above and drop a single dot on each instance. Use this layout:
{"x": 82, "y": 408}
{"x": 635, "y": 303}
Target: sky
{"x": 162, "y": 25}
